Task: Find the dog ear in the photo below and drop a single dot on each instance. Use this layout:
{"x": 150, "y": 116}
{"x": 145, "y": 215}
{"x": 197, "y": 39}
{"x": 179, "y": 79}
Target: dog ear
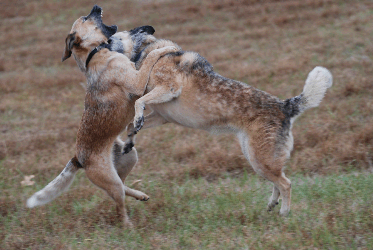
{"x": 109, "y": 30}
{"x": 148, "y": 29}
{"x": 70, "y": 40}
{"x": 143, "y": 29}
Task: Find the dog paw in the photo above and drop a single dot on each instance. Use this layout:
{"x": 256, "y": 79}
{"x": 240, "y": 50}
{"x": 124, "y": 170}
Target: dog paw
{"x": 127, "y": 223}
{"x": 128, "y": 147}
{"x": 124, "y": 221}
{"x": 139, "y": 123}
{"x": 174, "y": 49}
{"x": 144, "y": 197}
{"x": 284, "y": 212}
{"x": 271, "y": 206}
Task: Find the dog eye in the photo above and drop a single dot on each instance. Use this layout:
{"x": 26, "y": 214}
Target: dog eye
{"x": 84, "y": 19}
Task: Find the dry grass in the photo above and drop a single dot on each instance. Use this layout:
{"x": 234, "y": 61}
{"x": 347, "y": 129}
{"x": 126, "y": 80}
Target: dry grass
{"x": 271, "y": 45}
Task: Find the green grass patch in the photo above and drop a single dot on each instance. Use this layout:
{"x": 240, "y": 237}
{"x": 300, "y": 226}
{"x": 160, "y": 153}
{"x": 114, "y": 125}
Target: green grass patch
{"x": 330, "y": 212}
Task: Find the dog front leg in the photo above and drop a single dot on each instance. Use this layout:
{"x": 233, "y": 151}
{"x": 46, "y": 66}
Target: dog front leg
{"x": 136, "y": 83}
{"x": 150, "y": 121}
{"x": 130, "y": 141}
{"x": 159, "y": 94}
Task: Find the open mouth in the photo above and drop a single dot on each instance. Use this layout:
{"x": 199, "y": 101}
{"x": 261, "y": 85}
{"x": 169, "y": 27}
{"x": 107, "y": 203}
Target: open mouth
{"x": 97, "y": 14}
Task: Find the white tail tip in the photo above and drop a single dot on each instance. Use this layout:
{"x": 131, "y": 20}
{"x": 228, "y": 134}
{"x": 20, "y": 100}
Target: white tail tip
{"x": 318, "y": 81}
{"x": 32, "y": 202}
{"x": 322, "y": 75}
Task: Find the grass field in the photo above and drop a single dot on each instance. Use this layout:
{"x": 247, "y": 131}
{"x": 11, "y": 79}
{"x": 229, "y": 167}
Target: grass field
{"x": 204, "y": 194}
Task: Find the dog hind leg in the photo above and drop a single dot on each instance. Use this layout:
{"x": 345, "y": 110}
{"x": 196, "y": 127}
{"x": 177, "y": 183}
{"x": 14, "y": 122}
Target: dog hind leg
{"x": 269, "y": 167}
{"x": 124, "y": 164}
{"x": 284, "y": 185}
{"x": 102, "y": 173}
{"x": 273, "y": 200}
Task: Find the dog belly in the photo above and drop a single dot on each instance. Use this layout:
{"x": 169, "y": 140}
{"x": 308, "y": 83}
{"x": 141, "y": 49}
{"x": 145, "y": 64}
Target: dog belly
{"x": 181, "y": 114}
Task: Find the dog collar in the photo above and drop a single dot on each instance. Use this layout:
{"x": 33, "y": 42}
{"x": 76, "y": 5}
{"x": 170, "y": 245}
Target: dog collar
{"x": 93, "y": 52}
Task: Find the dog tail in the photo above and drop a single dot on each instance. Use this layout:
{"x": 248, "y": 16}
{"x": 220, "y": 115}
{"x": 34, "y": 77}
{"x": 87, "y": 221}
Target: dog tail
{"x": 60, "y": 184}
{"x": 318, "y": 81}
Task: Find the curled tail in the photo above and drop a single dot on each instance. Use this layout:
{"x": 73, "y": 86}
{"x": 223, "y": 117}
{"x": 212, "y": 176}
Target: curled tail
{"x": 60, "y": 184}
{"x": 318, "y": 81}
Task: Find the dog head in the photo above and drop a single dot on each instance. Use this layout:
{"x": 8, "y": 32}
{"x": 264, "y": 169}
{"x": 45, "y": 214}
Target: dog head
{"x": 87, "y": 32}
{"x": 135, "y": 40}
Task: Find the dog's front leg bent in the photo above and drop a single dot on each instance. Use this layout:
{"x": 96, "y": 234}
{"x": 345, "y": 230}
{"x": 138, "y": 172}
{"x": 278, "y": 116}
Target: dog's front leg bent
{"x": 150, "y": 121}
{"x": 160, "y": 94}
{"x": 136, "y": 83}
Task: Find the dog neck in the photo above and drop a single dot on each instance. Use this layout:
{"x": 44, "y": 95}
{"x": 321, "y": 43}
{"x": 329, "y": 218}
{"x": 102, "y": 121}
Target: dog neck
{"x": 93, "y": 52}
{"x": 82, "y": 53}
{"x": 113, "y": 44}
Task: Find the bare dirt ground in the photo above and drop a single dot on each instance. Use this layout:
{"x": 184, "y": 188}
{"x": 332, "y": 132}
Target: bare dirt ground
{"x": 271, "y": 45}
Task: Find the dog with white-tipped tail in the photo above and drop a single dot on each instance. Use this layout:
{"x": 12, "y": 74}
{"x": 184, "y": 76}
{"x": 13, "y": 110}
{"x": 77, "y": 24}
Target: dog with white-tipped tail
{"x": 184, "y": 89}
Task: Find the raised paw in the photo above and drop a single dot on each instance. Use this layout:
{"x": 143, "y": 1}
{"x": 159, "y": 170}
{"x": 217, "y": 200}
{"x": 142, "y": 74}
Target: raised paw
{"x": 173, "y": 49}
{"x": 128, "y": 147}
{"x": 139, "y": 123}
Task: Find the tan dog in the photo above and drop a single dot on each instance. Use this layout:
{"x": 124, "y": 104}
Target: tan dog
{"x": 184, "y": 89}
{"x": 113, "y": 86}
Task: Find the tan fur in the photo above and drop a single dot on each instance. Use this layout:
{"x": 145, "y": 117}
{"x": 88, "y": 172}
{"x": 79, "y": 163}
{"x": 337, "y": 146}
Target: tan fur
{"x": 183, "y": 89}
{"x": 113, "y": 87}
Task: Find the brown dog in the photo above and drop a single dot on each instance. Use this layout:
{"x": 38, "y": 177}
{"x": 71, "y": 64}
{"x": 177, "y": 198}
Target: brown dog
{"x": 184, "y": 89}
{"x": 113, "y": 87}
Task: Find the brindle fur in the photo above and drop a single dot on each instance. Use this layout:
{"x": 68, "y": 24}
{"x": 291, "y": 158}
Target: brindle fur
{"x": 113, "y": 85}
{"x": 184, "y": 89}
